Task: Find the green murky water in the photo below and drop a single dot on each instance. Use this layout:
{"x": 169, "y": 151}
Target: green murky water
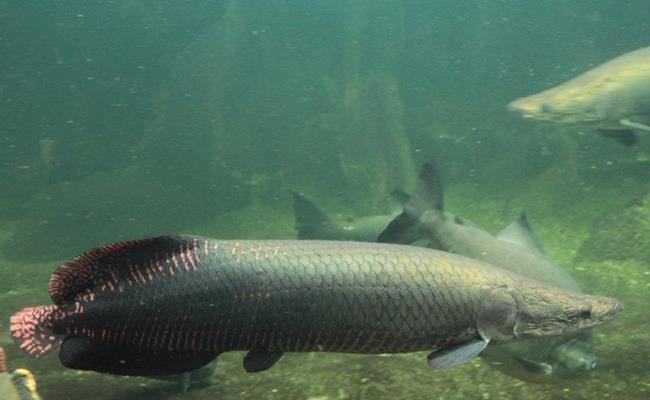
{"x": 134, "y": 118}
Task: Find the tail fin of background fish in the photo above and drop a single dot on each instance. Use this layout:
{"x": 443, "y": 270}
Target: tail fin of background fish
{"x": 31, "y": 329}
{"x": 311, "y": 221}
{"x": 426, "y": 197}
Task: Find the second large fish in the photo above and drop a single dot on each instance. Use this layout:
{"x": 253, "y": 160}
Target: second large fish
{"x": 517, "y": 249}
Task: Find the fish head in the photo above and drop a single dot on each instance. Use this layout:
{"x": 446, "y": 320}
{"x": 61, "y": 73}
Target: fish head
{"x": 559, "y": 105}
{"x": 547, "y": 311}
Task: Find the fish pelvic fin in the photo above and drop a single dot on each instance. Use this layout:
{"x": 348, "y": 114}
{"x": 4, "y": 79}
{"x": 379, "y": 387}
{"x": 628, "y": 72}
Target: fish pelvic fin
{"x": 311, "y": 221}
{"x": 32, "y": 330}
{"x": 260, "y": 359}
{"x": 428, "y": 196}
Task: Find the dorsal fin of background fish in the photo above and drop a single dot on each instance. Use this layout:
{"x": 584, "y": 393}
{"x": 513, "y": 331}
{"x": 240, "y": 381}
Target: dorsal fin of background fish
{"x": 521, "y": 233}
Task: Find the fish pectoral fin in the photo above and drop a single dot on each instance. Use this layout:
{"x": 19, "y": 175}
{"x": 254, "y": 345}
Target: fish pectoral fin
{"x": 625, "y": 137}
{"x": 536, "y": 367}
{"x": 634, "y": 125}
{"x": 260, "y": 359}
{"x": 459, "y": 354}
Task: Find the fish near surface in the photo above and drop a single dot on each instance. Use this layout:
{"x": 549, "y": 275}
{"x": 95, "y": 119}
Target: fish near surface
{"x": 17, "y": 385}
{"x": 517, "y": 249}
{"x": 171, "y": 304}
{"x": 613, "y": 97}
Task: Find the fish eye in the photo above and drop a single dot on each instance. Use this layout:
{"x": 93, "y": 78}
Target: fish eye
{"x": 585, "y": 313}
{"x": 544, "y": 108}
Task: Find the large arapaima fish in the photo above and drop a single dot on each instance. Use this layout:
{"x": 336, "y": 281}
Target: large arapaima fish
{"x": 171, "y": 304}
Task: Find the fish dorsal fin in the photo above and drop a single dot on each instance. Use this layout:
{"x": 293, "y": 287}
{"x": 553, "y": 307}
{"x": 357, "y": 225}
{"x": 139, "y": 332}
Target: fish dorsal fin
{"x": 113, "y": 262}
{"x": 456, "y": 355}
{"x": 521, "y": 233}
{"x": 260, "y": 359}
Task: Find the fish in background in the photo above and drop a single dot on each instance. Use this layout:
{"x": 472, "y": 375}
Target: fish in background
{"x": 171, "y": 304}
{"x": 613, "y": 97}
{"x": 313, "y": 224}
{"x": 17, "y": 385}
{"x": 517, "y": 249}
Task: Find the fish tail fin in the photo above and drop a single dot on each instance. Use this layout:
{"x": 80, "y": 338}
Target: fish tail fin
{"x": 311, "y": 221}
{"x": 426, "y": 198}
{"x": 31, "y": 329}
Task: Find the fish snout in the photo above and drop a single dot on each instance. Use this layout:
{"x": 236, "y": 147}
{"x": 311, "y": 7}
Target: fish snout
{"x": 528, "y": 108}
{"x": 604, "y": 309}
